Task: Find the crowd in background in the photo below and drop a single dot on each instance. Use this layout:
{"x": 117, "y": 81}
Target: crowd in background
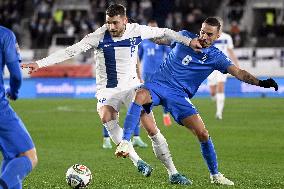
{"x": 46, "y": 19}
{"x": 10, "y": 15}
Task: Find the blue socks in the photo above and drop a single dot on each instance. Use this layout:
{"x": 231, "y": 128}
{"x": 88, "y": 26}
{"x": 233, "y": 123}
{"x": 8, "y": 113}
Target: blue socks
{"x": 132, "y": 120}
{"x": 209, "y": 155}
{"x": 14, "y": 172}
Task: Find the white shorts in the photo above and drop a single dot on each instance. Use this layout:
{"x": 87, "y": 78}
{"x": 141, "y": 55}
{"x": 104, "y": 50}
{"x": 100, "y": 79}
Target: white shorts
{"x": 115, "y": 97}
{"x": 216, "y": 77}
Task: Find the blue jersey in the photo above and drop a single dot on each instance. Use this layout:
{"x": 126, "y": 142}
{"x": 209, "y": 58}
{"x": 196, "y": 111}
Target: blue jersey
{"x": 184, "y": 69}
{"x": 10, "y": 57}
{"x": 151, "y": 56}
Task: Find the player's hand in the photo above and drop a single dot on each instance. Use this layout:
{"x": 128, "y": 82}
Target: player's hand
{"x": 33, "y": 67}
{"x": 122, "y": 149}
{"x": 195, "y": 45}
{"x": 10, "y": 95}
{"x": 267, "y": 83}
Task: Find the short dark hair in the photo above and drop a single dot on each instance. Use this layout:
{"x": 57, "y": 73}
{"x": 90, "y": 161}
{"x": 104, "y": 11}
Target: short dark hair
{"x": 213, "y": 21}
{"x": 151, "y": 20}
{"x": 115, "y": 10}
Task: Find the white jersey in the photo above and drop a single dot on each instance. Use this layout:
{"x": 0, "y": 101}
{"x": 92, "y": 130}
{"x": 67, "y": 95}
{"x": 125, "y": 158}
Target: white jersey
{"x": 115, "y": 57}
{"x": 224, "y": 42}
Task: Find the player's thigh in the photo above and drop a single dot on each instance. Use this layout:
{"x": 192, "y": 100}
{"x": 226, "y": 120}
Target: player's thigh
{"x": 14, "y": 138}
{"x": 179, "y": 105}
{"x": 109, "y": 103}
{"x": 109, "y": 97}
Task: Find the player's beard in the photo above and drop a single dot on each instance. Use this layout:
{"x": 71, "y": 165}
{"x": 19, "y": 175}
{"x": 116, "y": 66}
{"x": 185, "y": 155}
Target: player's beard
{"x": 117, "y": 33}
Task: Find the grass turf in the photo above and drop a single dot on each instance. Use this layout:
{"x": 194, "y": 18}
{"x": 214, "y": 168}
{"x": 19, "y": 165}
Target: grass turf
{"x": 249, "y": 144}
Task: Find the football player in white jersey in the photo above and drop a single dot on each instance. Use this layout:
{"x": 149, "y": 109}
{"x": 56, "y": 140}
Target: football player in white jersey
{"x": 115, "y": 47}
{"x": 216, "y": 80}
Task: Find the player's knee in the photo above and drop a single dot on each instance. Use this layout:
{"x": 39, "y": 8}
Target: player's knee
{"x": 142, "y": 96}
{"x": 107, "y": 115}
{"x": 203, "y": 135}
{"x": 32, "y": 155}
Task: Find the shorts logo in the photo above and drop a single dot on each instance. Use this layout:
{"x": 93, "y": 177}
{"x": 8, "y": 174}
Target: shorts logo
{"x": 186, "y": 60}
{"x": 102, "y": 100}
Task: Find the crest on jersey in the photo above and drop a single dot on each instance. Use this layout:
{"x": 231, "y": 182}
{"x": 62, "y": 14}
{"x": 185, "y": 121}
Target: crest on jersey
{"x": 186, "y": 60}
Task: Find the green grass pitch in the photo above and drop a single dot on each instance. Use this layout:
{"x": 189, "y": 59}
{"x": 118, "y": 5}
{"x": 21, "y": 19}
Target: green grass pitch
{"x": 249, "y": 142}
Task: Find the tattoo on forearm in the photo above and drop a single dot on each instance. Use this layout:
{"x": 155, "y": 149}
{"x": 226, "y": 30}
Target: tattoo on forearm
{"x": 248, "y": 78}
{"x": 161, "y": 40}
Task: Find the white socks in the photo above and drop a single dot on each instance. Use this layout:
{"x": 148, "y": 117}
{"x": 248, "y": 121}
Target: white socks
{"x": 116, "y": 133}
{"x": 220, "y": 101}
{"x": 162, "y": 152}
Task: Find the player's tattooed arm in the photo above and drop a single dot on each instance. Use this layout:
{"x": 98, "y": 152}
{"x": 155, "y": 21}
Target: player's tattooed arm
{"x": 243, "y": 75}
{"x": 161, "y": 40}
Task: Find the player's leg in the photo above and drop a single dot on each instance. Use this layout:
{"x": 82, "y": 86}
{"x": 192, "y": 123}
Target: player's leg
{"x": 136, "y": 140}
{"x": 196, "y": 125}
{"x": 220, "y": 95}
{"x": 161, "y": 149}
{"x": 19, "y": 154}
{"x": 220, "y": 100}
{"x": 108, "y": 112}
{"x": 212, "y": 82}
{"x": 108, "y": 116}
{"x": 106, "y": 140}
{"x": 160, "y": 146}
{"x": 166, "y": 117}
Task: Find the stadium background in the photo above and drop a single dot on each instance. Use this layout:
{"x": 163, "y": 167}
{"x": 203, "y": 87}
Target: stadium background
{"x": 68, "y": 131}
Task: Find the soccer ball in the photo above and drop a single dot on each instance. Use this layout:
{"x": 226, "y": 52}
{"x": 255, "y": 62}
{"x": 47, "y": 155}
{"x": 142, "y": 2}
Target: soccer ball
{"x": 78, "y": 176}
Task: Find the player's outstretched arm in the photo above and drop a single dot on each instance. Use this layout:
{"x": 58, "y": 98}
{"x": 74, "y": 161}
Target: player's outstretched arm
{"x": 246, "y": 77}
{"x": 165, "y": 36}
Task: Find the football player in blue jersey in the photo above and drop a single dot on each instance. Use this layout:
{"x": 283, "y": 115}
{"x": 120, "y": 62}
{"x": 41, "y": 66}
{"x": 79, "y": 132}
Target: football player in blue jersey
{"x": 16, "y": 145}
{"x": 177, "y": 82}
{"x": 151, "y": 56}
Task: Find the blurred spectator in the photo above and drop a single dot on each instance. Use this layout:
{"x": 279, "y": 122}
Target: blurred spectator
{"x": 235, "y": 33}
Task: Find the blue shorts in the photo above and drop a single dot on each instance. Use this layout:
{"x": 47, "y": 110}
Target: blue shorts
{"x": 175, "y": 102}
{"x": 14, "y": 137}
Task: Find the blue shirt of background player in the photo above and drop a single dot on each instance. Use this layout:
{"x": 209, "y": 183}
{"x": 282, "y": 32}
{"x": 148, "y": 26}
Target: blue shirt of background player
{"x": 10, "y": 57}
{"x": 185, "y": 70}
{"x": 151, "y": 56}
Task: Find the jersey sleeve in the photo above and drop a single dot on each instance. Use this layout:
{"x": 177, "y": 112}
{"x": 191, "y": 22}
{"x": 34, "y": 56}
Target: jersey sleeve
{"x": 148, "y": 32}
{"x": 222, "y": 63}
{"x": 11, "y": 48}
{"x": 12, "y": 60}
{"x": 88, "y": 42}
